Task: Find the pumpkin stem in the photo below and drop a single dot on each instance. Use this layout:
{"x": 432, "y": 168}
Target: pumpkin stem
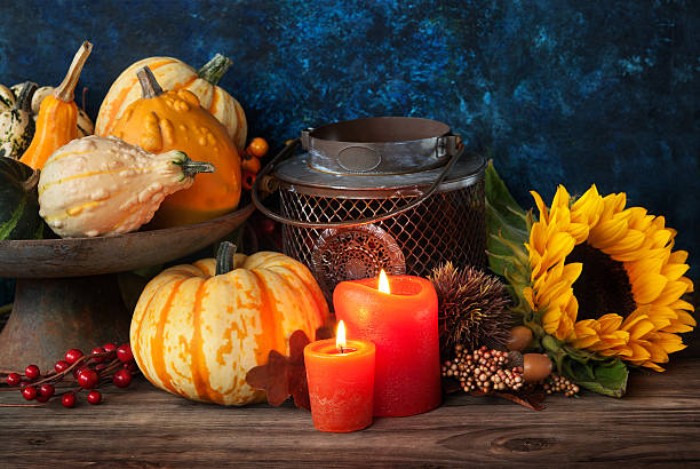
{"x": 66, "y": 90}
{"x": 225, "y": 254}
{"x": 191, "y": 167}
{"x": 149, "y": 84}
{"x": 213, "y": 70}
{"x": 24, "y": 101}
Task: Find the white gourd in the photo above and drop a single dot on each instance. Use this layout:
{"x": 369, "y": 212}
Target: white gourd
{"x": 103, "y": 186}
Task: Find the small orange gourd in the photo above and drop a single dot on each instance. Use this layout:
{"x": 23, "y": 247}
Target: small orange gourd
{"x": 199, "y": 328}
{"x": 174, "y": 120}
{"x": 57, "y": 121}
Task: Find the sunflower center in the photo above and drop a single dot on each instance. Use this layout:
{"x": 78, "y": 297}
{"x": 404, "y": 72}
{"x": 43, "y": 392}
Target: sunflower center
{"x": 603, "y": 286}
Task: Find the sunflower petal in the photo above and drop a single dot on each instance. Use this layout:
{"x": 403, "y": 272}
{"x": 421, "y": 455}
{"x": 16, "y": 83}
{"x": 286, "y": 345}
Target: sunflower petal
{"x": 674, "y": 271}
{"x": 541, "y": 206}
{"x": 671, "y": 292}
{"x": 648, "y": 287}
{"x": 653, "y": 366}
{"x": 679, "y": 257}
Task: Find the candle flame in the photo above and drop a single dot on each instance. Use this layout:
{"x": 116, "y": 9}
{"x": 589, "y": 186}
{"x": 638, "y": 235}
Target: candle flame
{"x": 383, "y": 282}
{"x": 340, "y": 341}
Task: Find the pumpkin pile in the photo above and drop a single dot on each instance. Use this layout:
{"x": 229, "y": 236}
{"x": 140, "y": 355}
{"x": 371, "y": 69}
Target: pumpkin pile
{"x": 197, "y": 328}
{"x": 161, "y": 123}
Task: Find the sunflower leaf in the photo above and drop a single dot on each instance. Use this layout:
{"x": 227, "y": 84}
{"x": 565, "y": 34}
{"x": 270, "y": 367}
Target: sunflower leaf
{"x": 608, "y": 378}
{"x": 504, "y": 207}
{"x": 509, "y": 227}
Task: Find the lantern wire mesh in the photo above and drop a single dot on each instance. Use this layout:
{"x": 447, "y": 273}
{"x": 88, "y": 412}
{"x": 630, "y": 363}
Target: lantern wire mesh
{"x": 448, "y": 226}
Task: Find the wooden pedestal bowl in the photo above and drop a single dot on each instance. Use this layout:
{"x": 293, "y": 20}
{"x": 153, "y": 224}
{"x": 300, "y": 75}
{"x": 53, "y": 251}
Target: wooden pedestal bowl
{"x": 67, "y": 294}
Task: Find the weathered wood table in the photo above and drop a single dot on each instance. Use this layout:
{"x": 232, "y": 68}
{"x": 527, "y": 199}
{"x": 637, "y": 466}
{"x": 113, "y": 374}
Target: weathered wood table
{"x": 657, "y": 422}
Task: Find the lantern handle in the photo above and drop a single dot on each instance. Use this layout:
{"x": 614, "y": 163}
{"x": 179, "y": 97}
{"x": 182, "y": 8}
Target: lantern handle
{"x": 263, "y": 178}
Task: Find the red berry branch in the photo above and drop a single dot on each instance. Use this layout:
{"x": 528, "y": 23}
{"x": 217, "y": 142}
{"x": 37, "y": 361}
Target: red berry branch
{"x": 73, "y": 374}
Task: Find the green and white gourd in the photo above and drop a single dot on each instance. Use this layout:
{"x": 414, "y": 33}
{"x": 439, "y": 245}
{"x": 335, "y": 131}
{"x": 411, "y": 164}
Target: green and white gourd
{"x": 8, "y": 96}
{"x": 16, "y": 122}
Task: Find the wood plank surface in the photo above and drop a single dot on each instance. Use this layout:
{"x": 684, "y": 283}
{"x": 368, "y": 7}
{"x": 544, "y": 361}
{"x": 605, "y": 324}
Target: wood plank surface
{"x": 657, "y": 423}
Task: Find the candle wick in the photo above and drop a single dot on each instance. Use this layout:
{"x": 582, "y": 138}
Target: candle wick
{"x": 342, "y": 350}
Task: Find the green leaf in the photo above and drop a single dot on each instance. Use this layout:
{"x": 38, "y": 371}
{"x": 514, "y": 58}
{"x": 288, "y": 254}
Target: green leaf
{"x": 502, "y": 202}
{"x": 608, "y": 378}
{"x": 508, "y": 226}
{"x": 506, "y": 221}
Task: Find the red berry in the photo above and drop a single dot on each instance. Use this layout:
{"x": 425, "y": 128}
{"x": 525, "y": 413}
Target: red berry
{"x": 41, "y": 398}
{"x": 29, "y": 392}
{"x": 87, "y": 378}
{"x": 73, "y": 355}
{"x": 124, "y": 353}
{"x": 109, "y": 347}
{"x": 32, "y": 372}
{"x": 68, "y": 399}
{"x": 94, "y": 397}
{"x": 13, "y": 379}
{"x": 61, "y": 366}
{"x": 267, "y": 226}
{"x": 122, "y": 378}
{"x": 131, "y": 367}
{"x": 98, "y": 355}
{"x": 79, "y": 370}
{"x": 47, "y": 390}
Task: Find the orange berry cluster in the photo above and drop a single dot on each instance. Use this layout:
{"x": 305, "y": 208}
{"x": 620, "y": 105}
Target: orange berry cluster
{"x": 250, "y": 161}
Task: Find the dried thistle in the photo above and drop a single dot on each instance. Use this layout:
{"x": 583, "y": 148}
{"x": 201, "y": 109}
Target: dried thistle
{"x": 472, "y": 308}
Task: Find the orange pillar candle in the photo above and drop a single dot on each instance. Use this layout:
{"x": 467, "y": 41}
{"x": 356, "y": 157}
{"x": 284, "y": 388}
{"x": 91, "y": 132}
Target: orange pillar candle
{"x": 402, "y": 321}
{"x": 340, "y": 375}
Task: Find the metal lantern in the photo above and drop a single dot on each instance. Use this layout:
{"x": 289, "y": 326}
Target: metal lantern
{"x": 395, "y": 193}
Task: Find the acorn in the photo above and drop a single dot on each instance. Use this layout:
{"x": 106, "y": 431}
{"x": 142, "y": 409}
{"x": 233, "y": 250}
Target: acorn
{"x": 536, "y": 366}
{"x": 520, "y": 338}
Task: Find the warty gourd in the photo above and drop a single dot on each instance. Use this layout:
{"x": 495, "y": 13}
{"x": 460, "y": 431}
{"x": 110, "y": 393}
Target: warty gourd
{"x": 103, "y": 186}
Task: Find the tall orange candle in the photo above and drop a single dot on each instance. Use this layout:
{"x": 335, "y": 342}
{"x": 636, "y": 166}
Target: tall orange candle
{"x": 401, "y": 318}
{"x": 340, "y": 374}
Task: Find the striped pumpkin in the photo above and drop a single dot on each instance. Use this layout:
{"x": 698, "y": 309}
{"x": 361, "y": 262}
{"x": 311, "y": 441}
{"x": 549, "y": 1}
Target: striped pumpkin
{"x": 173, "y": 74}
{"x": 199, "y": 328}
{"x": 19, "y": 204}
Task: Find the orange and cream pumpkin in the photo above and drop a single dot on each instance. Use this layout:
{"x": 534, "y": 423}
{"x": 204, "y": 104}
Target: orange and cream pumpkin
{"x": 174, "y": 74}
{"x": 174, "y": 120}
{"x": 199, "y": 328}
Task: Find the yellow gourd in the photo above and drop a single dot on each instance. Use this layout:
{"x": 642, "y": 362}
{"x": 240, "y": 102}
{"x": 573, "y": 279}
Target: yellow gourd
{"x": 57, "y": 122}
{"x": 174, "y": 120}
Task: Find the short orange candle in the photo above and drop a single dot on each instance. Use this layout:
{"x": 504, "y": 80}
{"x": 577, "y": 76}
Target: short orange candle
{"x": 401, "y": 318}
{"x": 340, "y": 374}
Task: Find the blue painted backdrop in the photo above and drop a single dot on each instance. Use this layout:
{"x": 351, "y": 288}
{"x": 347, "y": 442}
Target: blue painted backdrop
{"x": 558, "y": 91}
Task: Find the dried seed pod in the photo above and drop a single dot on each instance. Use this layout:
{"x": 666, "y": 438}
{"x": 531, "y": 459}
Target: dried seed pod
{"x": 473, "y": 308}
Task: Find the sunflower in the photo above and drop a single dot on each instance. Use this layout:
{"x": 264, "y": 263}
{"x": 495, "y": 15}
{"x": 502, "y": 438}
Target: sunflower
{"x": 605, "y": 278}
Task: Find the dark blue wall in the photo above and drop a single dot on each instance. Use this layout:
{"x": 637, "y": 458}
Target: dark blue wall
{"x": 558, "y": 91}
